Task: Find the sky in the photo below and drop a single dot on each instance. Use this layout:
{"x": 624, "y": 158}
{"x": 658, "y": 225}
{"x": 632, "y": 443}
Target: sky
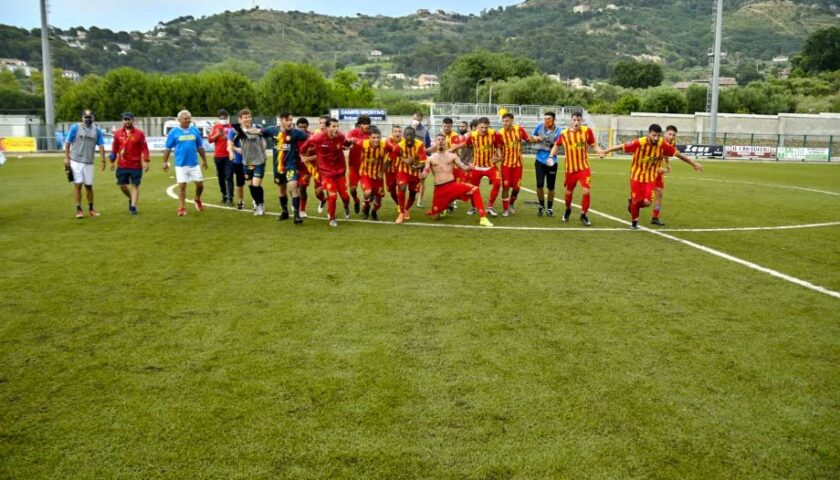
{"x": 127, "y": 16}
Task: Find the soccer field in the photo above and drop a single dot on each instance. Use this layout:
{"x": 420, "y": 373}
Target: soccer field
{"x": 223, "y": 345}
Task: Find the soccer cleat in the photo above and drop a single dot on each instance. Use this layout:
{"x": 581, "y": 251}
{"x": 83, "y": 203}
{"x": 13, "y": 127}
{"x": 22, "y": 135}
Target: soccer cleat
{"x": 321, "y": 206}
{"x": 656, "y": 221}
{"x": 198, "y": 205}
{"x": 471, "y": 211}
{"x": 374, "y": 216}
{"x": 259, "y": 211}
{"x": 585, "y": 220}
{"x": 567, "y": 214}
{"x": 333, "y": 223}
{"x": 485, "y": 222}
{"x": 346, "y": 213}
{"x": 303, "y": 215}
{"x": 506, "y": 213}
{"x": 400, "y": 219}
{"x": 240, "y": 206}
{"x": 451, "y": 207}
{"x": 80, "y": 213}
{"x": 540, "y": 211}
{"x": 635, "y": 225}
{"x": 492, "y": 212}
{"x": 298, "y": 219}
{"x": 512, "y": 209}
{"x": 182, "y": 211}
{"x": 132, "y": 210}
{"x": 356, "y": 207}
{"x": 549, "y": 212}
{"x": 93, "y": 213}
{"x": 284, "y": 215}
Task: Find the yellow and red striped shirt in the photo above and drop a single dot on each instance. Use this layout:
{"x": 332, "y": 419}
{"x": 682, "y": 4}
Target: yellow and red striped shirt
{"x": 484, "y": 147}
{"x": 576, "y": 144}
{"x": 647, "y": 158}
{"x": 415, "y": 151}
{"x": 512, "y": 145}
{"x": 373, "y": 158}
{"x": 452, "y": 139}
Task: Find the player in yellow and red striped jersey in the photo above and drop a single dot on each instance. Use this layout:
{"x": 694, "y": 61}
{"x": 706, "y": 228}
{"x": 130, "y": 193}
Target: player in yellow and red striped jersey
{"x": 374, "y": 159}
{"x": 452, "y": 138}
{"x": 409, "y": 157}
{"x": 393, "y": 141}
{"x": 487, "y": 146}
{"x": 512, "y": 137}
{"x": 648, "y": 153}
{"x": 659, "y": 187}
{"x": 576, "y": 140}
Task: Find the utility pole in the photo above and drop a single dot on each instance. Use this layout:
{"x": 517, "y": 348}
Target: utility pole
{"x": 49, "y": 111}
{"x": 715, "y": 85}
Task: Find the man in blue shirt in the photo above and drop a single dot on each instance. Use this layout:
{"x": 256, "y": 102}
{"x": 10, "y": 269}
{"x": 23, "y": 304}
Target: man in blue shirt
{"x": 238, "y": 167}
{"x": 188, "y": 144}
{"x": 546, "y": 135}
{"x": 79, "y": 150}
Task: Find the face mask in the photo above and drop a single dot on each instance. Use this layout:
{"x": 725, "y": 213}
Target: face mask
{"x": 88, "y": 122}
{"x": 224, "y": 121}
{"x": 415, "y": 123}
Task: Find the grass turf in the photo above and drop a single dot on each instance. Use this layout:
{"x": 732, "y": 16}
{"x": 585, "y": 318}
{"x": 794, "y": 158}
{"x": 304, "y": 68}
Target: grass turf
{"x": 226, "y": 346}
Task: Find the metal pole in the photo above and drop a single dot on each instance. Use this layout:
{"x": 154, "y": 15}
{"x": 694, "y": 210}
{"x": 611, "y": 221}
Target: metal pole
{"x": 49, "y": 112}
{"x": 715, "y": 86}
{"x": 490, "y": 99}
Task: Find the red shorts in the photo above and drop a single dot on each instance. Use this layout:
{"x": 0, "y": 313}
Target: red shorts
{"x": 660, "y": 181}
{"x": 304, "y": 176}
{"x": 460, "y": 175}
{"x": 476, "y": 175}
{"x": 641, "y": 191}
{"x": 448, "y": 192}
{"x": 375, "y": 185}
{"x": 390, "y": 180}
{"x": 353, "y": 169}
{"x": 409, "y": 180}
{"x": 511, "y": 176}
{"x": 334, "y": 184}
{"x": 583, "y": 177}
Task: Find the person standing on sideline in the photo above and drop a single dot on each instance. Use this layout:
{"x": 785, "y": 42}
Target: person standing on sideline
{"x": 79, "y": 150}
{"x": 130, "y": 152}
{"x": 186, "y": 140}
{"x": 221, "y": 157}
{"x": 238, "y": 167}
{"x": 546, "y": 135}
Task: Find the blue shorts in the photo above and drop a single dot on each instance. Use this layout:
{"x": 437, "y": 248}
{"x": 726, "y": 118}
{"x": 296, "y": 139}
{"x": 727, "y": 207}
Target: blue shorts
{"x": 129, "y": 175}
{"x": 254, "y": 171}
{"x": 281, "y": 178}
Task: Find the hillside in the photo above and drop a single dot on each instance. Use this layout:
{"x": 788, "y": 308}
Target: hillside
{"x": 585, "y": 43}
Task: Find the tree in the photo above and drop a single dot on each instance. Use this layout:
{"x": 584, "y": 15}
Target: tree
{"x": 347, "y": 91}
{"x": 301, "y": 89}
{"x": 695, "y": 98}
{"x": 8, "y": 81}
{"x": 459, "y": 79}
{"x": 83, "y": 95}
{"x": 664, "y": 100}
{"x": 821, "y": 52}
{"x": 627, "y": 104}
{"x": 633, "y": 74}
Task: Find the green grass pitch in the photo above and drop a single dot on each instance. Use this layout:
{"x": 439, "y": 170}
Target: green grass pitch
{"x": 225, "y": 346}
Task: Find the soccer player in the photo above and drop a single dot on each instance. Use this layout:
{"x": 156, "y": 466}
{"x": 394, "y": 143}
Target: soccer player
{"x": 308, "y": 171}
{"x": 409, "y": 156}
{"x": 361, "y": 132}
{"x": 221, "y": 157}
{"x": 130, "y": 152}
{"x": 186, "y": 140}
{"x": 79, "y": 150}
{"x": 329, "y": 150}
{"x": 486, "y": 156}
{"x": 393, "y": 141}
{"x": 546, "y": 135}
{"x": 576, "y": 140}
{"x": 374, "y": 158}
{"x": 233, "y": 146}
{"x": 659, "y": 190}
{"x": 441, "y": 164}
{"x": 421, "y": 132}
{"x": 252, "y": 147}
{"x": 512, "y": 137}
{"x": 452, "y": 138}
{"x": 648, "y": 153}
{"x": 288, "y": 141}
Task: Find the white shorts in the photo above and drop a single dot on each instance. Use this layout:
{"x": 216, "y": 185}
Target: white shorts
{"x": 188, "y": 174}
{"x": 82, "y": 172}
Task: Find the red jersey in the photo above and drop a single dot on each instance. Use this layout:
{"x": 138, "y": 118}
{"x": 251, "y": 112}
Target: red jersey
{"x": 647, "y": 158}
{"x": 484, "y": 147}
{"x": 415, "y": 151}
{"x": 330, "y": 153}
{"x": 356, "y": 150}
{"x": 221, "y": 150}
{"x": 576, "y": 144}
{"x": 373, "y": 158}
{"x": 512, "y": 145}
{"x": 131, "y": 148}
{"x": 452, "y": 139}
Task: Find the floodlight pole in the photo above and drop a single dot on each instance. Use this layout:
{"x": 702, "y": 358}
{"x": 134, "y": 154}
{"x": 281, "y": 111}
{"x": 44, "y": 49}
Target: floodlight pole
{"x": 485, "y": 79}
{"x": 715, "y": 85}
{"x": 49, "y": 109}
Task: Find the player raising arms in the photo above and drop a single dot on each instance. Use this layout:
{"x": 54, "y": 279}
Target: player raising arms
{"x": 648, "y": 153}
{"x": 329, "y": 151}
{"x": 659, "y": 190}
{"x": 441, "y": 164}
{"x": 409, "y": 156}
{"x": 512, "y": 138}
{"x": 576, "y": 141}
{"x": 486, "y": 155}
{"x": 374, "y": 157}
{"x": 361, "y": 132}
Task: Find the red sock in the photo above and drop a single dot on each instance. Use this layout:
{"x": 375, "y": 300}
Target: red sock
{"x": 494, "y": 192}
{"x": 401, "y": 199}
{"x": 303, "y": 199}
{"x": 393, "y": 192}
{"x": 345, "y": 199}
{"x": 634, "y": 210}
{"x": 478, "y": 203}
{"x": 331, "y": 205}
{"x": 585, "y": 203}
{"x": 505, "y": 203}
{"x": 568, "y": 198}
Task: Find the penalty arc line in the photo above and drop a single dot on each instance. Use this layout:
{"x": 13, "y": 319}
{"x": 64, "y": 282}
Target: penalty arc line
{"x": 724, "y": 255}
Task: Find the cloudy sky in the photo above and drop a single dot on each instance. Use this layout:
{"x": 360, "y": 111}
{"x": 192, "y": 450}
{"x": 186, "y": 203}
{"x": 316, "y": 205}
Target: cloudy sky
{"x": 125, "y": 15}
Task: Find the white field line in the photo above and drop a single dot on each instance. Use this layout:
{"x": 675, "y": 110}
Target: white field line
{"x": 724, "y": 255}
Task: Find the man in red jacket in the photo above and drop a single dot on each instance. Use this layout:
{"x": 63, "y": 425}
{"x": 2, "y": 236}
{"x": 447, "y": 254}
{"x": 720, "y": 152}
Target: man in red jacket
{"x": 130, "y": 153}
{"x": 329, "y": 151}
{"x": 224, "y": 164}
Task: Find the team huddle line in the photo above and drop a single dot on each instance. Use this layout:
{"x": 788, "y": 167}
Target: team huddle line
{"x": 336, "y": 164}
